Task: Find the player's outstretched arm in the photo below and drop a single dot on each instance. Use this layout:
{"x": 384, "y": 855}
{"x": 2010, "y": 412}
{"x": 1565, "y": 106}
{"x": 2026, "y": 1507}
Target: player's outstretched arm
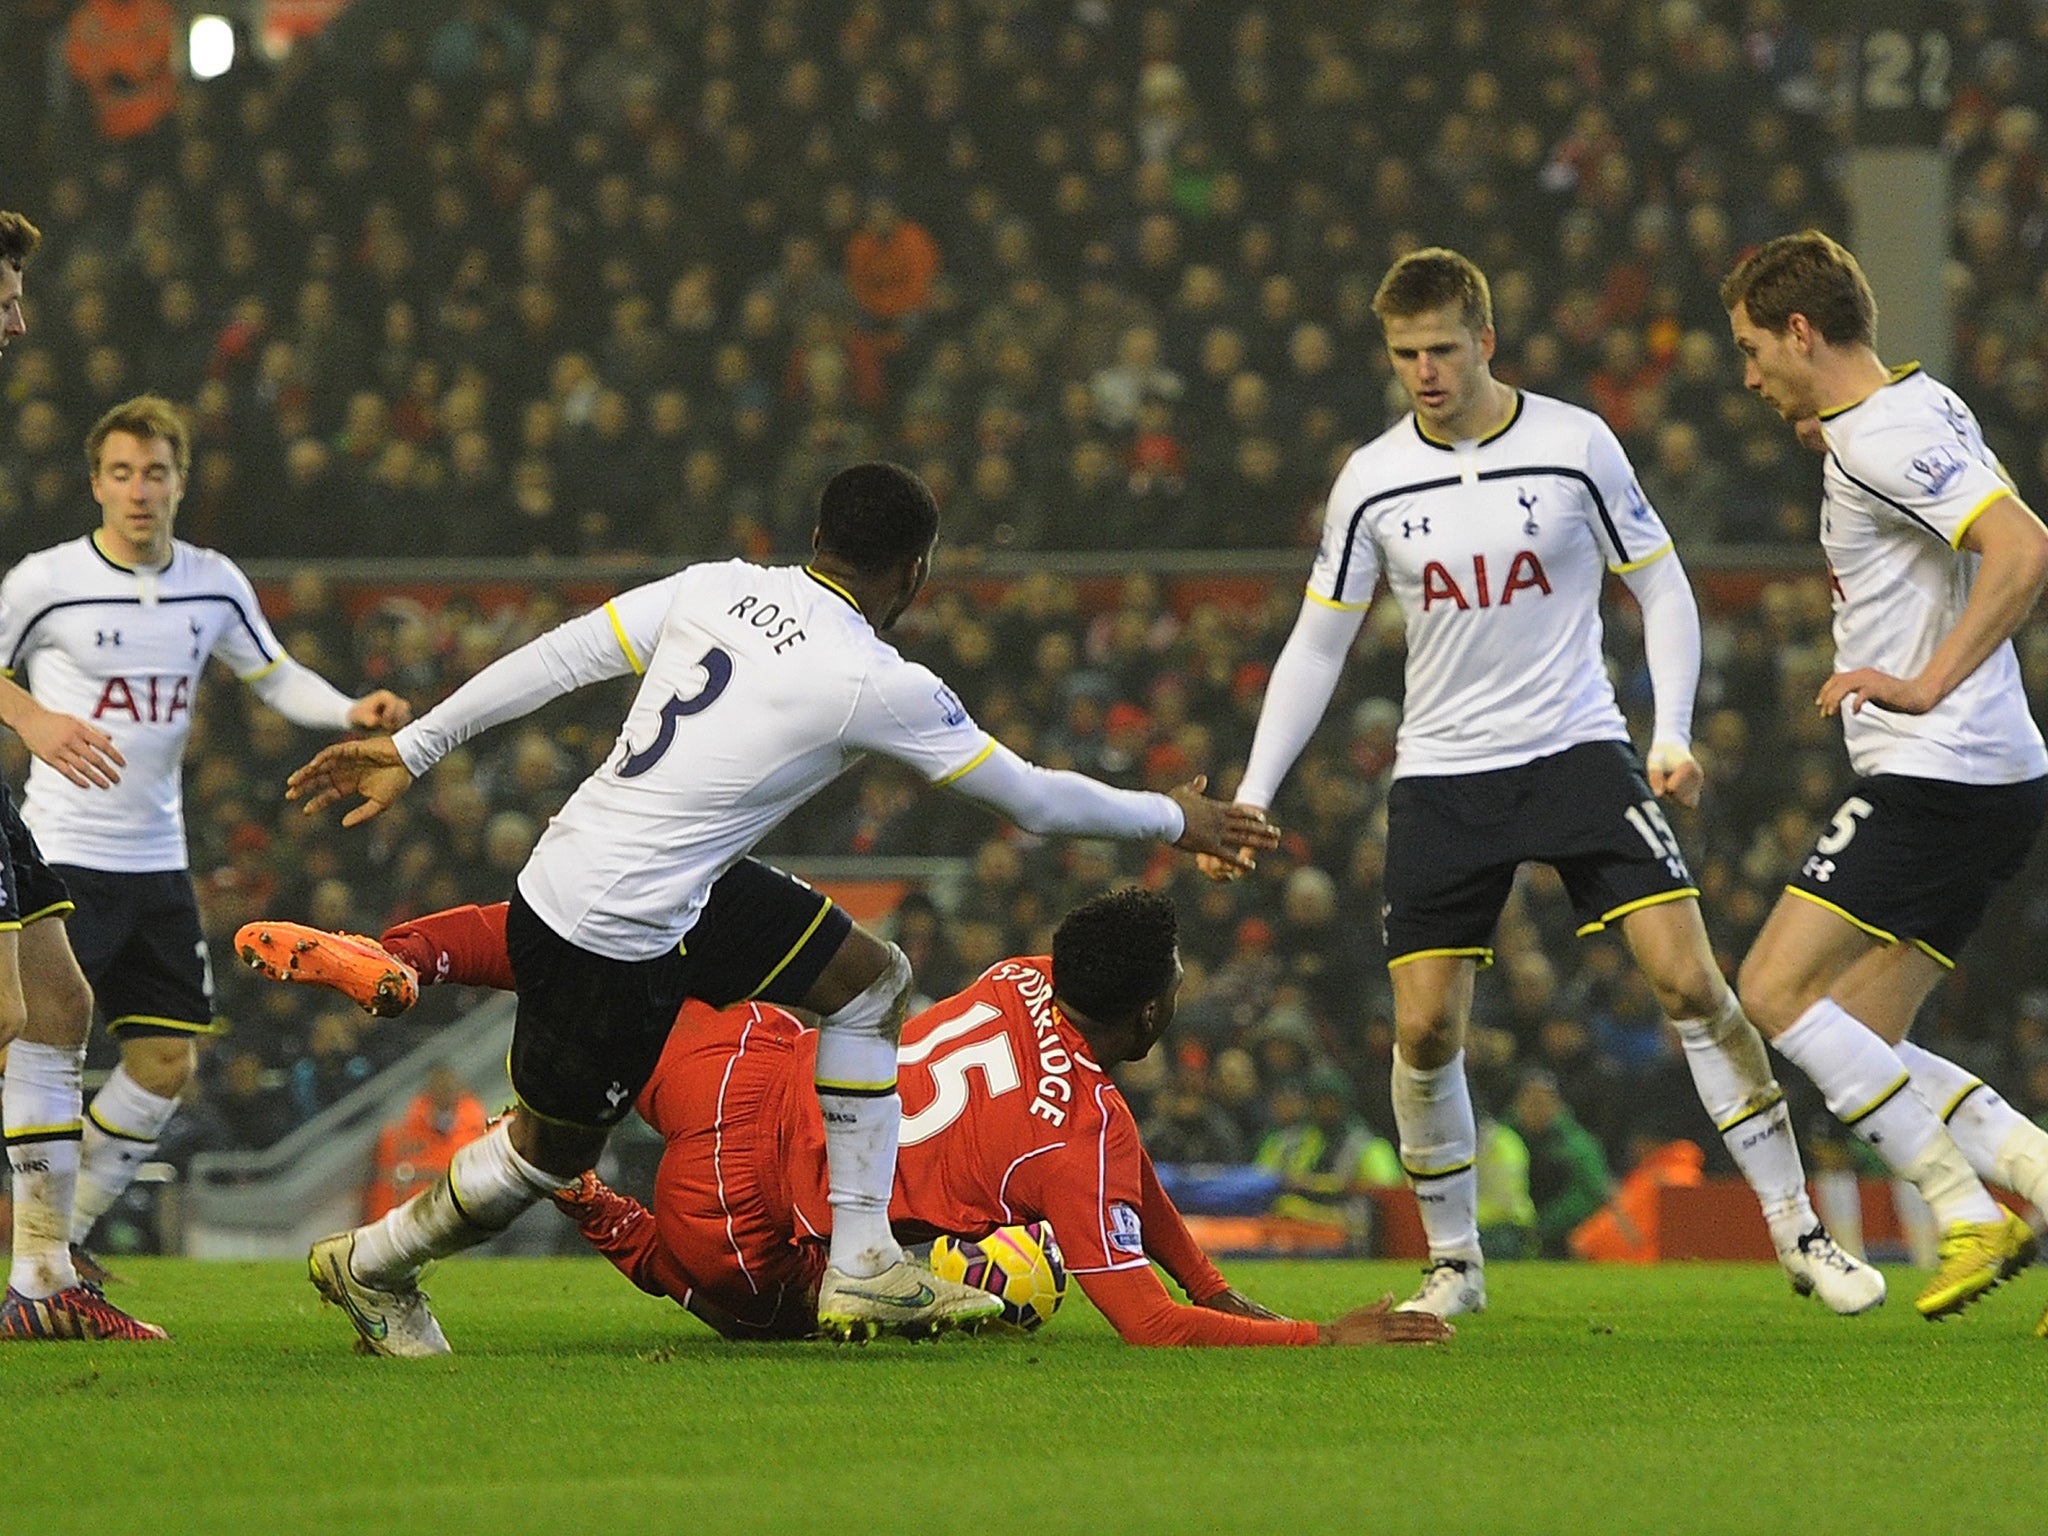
{"x": 1058, "y": 801}
{"x": 370, "y": 768}
{"x": 84, "y": 754}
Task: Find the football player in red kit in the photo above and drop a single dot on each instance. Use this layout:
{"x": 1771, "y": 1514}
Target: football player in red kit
{"x": 1009, "y": 1116}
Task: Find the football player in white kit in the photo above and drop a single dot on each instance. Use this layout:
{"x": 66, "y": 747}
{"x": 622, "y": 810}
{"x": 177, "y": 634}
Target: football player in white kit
{"x": 116, "y": 627}
{"x": 1933, "y": 563}
{"x": 45, "y": 1004}
{"x": 1495, "y": 516}
{"x": 760, "y": 686}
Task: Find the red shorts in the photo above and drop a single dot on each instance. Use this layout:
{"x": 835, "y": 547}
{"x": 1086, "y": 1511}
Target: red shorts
{"x": 720, "y": 1207}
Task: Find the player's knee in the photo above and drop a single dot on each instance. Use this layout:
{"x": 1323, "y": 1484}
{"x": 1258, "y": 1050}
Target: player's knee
{"x": 60, "y": 1011}
{"x": 1767, "y": 997}
{"x": 160, "y": 1064}
{"x": 883, "y": 1004}
{"x": 1430, "y": 1040}
{"x": 13, "y": 1015}
{"x": 894, "y": 987}
{"x": 1690, "y": 993}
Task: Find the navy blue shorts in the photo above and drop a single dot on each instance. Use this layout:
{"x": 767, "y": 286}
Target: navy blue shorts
{"x": 138, "y": 940}
{"x": 1454, "y": 842}
{"x": 590, "y": 1029}
{"x": 1918, "y": 860}
{"x": 29, "y": 888}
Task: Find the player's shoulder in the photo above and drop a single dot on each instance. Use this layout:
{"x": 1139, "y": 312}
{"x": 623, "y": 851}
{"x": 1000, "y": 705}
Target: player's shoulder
{"x": 1558, "y": 427}
{"x": 710, "y": 576}
{"x": 198, "y": 564}
{"x": 1912, "y": 425}
{"x": 57, "y": 561}
{"x": 1398, "y": 458}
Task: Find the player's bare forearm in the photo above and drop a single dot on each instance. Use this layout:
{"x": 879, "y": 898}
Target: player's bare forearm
{"x": 370, "y": 768}
{"x": 1237, "y": 1304}
{"x": 83, "y": 753}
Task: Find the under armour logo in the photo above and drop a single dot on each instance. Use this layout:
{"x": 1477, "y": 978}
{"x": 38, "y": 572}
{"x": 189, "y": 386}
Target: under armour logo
{"x": 196, "y": 632}
{"x": 1528, "y": 504}
{"x": 1409, "y": 530}
{"x": 616, "y": 1094}
{"x": 106, "y": 637}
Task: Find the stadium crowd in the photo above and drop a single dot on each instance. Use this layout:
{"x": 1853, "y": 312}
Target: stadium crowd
{"x": 553, "y": 279}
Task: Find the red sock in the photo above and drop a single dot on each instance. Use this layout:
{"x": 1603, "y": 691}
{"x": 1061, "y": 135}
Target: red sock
{"x": 464, "y": 946}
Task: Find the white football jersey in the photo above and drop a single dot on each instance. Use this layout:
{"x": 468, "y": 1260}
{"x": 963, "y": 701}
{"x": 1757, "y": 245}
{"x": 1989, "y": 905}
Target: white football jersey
{"x": 1907, "y": 473}
{"x": 1496, "y": 550}
{"x": 124, "y": 649}
{"x": 764, "y": 685}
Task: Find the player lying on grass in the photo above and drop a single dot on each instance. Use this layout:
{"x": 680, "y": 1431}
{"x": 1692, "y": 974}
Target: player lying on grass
{"x": 1009, "y": 1116}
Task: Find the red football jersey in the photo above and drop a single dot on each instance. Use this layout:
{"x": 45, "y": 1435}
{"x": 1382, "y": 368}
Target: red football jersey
{"x": 1049, "y": 1136}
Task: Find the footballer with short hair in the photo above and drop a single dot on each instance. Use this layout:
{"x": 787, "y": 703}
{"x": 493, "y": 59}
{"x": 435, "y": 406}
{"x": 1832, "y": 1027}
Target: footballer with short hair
{"x": 1495, "y": 515}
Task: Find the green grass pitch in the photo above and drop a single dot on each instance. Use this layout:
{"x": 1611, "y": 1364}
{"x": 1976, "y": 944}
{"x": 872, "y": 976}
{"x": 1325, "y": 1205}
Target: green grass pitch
{"x": 1678, "y": 1399}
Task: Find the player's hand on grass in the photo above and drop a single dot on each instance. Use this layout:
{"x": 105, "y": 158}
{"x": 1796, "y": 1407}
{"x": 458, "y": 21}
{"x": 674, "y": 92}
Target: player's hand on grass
{"x": 370, "y": 768}
{"x": 1867, "y": 685}
{"x": 1226, "y": 832}
{"x": 84, "y": 754}
{"x": 382, "y": 710}
{"x": 1675, "y": 774}
{"x": 1237, "y": 1304}
{"x": 1381, "y": 1324}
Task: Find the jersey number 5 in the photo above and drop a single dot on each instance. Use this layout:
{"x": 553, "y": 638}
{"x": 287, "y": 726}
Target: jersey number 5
{"x": 717, "y": 665}
{"x": 998, "y": 1064}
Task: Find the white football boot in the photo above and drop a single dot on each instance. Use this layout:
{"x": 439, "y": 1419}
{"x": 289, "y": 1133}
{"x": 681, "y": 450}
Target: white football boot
{"x": 388, "y": 1322}
{"x": 903, "y": 1298}
{"x": 1817, "y": 1265}
{"x": 1450, "y": 1288}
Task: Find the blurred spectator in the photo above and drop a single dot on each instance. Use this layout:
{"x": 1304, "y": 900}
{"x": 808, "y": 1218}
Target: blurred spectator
{"x": 1568, "y": 1177}
{"x": 120, "y": 51}
{"x": 1187, "y": 1128}
{"x": 415, "y": 1149}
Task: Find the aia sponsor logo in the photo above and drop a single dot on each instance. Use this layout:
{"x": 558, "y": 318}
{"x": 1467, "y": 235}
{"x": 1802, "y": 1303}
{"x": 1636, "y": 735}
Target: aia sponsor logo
{"x": 145, "y": 700}
{"x": 1525, "y": 573}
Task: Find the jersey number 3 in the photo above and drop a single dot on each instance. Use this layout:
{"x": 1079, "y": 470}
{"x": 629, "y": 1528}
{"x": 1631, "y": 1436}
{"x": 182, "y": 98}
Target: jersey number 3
{"x": 717, "y": 665}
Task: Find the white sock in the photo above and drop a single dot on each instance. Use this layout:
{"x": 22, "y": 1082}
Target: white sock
{"x": 487, "y": 1185}
{"x": 1439, "y": 1148}
{"x": 42, "y": 1103}
{"x": 1732, "y": 1074}
{"x": 121, "y": 1131}
{"x": 856, "y": 1083}
{"x": 1870, "y": 1091}
{"x": 2003, "y": 1145}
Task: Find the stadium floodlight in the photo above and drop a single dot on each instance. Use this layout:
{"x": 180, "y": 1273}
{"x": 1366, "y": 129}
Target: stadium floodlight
{"x": 211, "y": 47}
